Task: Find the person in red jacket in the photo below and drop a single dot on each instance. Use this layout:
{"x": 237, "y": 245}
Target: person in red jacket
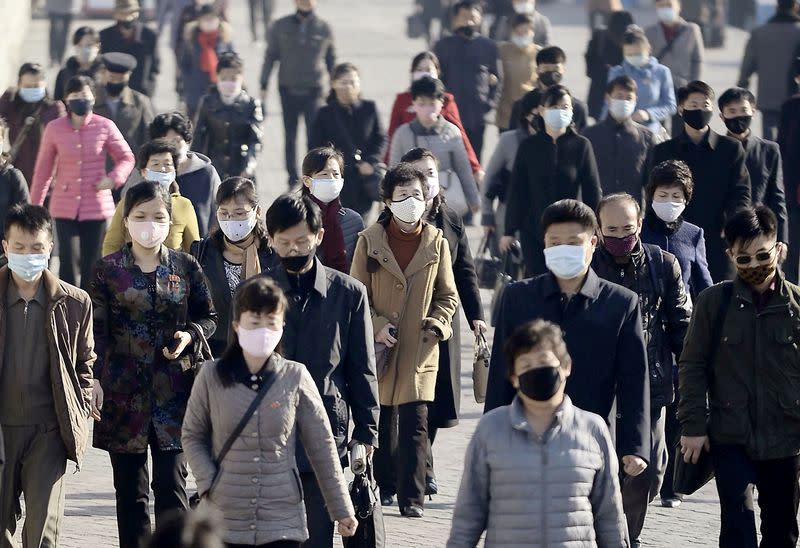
{"x": 427, "y": 64}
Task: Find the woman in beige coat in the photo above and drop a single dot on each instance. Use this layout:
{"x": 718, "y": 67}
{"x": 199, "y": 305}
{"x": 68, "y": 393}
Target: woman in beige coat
{"x": 405, "y": 264}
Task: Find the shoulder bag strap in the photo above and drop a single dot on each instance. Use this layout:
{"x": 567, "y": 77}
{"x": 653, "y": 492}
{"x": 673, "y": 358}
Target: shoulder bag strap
{"x": 719, "y": 322}
{"x": 30, "y": 121}
{"x": 670, "y": 45}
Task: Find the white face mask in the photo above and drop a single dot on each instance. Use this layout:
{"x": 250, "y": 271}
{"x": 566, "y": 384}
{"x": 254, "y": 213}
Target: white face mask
{"x": 522, "y": 41}
{"x": 260, "y": 342}
{"x": 409, "y": 211}
{"x": 637, "y": 61}
{"x": 668, "y": 211}
{"x": 148, "y": 234}
{"x": 558, "y": 118}
{"x": 666, "y": 15}
{"x": 621, "y": 110}
{"x": 326, "y": 190}
{"x": 433, "y": 187}
{"x": 236, "y": 231}
{"x": 161, "y": 177}
{"x": 418, "y": 74}
{"x": 524, "y": 7}
{"x": 565, "y": 261}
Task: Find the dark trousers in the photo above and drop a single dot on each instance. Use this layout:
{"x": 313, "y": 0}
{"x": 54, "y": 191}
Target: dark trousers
{"x": 277, "y": 544}
{"x": 402, "y": 452}
{"x": 778, "y": 498}
{"x": 475, "y": 135}
{"x": 59, "y": 32}
{"x": 320, "y": 526}
{"x": 430, "y": 474}
{"x": 792, "y": 264}
{"x": 770, "y": 121}
{"x": 639, "y": 491}
{"x": 131, "y": 477}
{"x": 265, "y": 7}
{"x": 294, "y": 103}
{"x": 79, "y": 242}
{"x": 672, "y": 432}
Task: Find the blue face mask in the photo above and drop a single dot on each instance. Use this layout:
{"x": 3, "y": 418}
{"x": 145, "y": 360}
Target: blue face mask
{"x": 163, "y": 178}
{"x": 27, "y": 267}
{"x": 32, "y": 95}
{"x": 558, "y": 118}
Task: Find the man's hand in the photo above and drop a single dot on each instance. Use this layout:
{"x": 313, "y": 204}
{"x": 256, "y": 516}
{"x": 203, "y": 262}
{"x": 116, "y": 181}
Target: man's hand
{"x": 106, "y": 183}
{"x": 640, "y": 116}
{"x": 385, "y": 338}
{"x": 506, "y": 242}
{"x": 633, "y": 465}
{"x": 692, "y": 447}
{"x": 184, "y": 339}
{"x": 348, "y": 526}
{"x": 479, "y": 327}
{"x": 97, "y": 400}
{"x": 263, "y": 98}
{"x": 479, "y": 175}
{"x": 367, "y": 447}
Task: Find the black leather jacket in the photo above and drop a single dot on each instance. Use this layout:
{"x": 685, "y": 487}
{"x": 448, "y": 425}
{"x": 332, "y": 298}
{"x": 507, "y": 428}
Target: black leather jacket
{"x": 655, "y": 276}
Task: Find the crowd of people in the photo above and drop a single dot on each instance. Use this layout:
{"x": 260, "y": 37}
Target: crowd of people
{"x": 654, "y": 325}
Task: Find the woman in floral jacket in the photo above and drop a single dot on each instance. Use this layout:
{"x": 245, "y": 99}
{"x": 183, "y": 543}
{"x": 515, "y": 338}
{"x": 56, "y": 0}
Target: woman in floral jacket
{"x": 152, "y": 311}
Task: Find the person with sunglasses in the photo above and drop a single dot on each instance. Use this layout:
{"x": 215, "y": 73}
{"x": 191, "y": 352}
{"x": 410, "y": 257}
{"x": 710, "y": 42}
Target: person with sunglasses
{"x": 751, "y": 327}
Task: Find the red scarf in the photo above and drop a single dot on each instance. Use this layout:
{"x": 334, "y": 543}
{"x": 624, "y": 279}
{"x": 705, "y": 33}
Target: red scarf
{"x": 333, "y": 250}
{"x": 208, "y": 53}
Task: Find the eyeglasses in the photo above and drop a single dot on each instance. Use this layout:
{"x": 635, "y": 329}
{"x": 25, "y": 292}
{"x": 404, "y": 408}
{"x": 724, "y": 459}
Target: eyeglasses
{"x": 760, "y": 257}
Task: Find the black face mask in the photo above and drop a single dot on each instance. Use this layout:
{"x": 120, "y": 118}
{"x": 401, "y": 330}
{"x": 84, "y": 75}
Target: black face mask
{"x": 304, "y": 13}
{"x": 738, "y": 125}
{"x": 697, "y": 119}
{"x": 114, "y": 90}
{"x": 297, "y": 263}
{"x": 80, "y": 107}
{"x": 467, "y": 31}
{"x": 540, "y": 384}
{"x": 551, "y": 78}
{"x": 127, "y": 25}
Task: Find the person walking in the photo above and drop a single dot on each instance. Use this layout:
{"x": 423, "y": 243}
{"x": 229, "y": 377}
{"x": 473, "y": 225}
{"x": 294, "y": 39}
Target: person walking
{"x": 603, "y": 52}
{"x": 280, "y": 403}
{"x": 789, "y": 140}
{"x": 72, "y": 160}
{"x": 551, "y": 165}
{"x": 353, "y": 126}
{"x": 539, "y": 467}
{"x": 85, "y": 62}
{"x": 152, "y": 312}
{"x": 45, "y": 382}
{"x": 303, "y": 46}
{"x": 518, "y": 56}
{"x": 60, "y": 13}
{"x": 28, "y": 109}
{"x": 262, "y": 9}
{"x": 738, "y": 356}
{"x": 236, "y": 250}
{"x": 406, "y": 265}
{"x": 504, "y": 26}
{"x": 13, "y": 187}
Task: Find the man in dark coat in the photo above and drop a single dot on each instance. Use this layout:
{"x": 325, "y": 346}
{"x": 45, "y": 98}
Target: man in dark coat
{"x": 131, "y": 36}
{"x": 329, "y": 330}
{"x": 471, "y": 70}
{"x": 602, "y": 327}
{"x": 722, "y": 184}
{"x": 789, "y": 141}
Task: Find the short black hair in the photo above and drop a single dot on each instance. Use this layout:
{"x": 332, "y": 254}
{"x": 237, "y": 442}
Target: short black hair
{"x": 144, "y": 192}
{"x": 624, "y": 82}
{"x": 317, "y": 158}
{"x": 427, "y": 87}
{"x": 634, "y": 36}
{"x": 696, "y": 86}
{"x": 174, "y": 121}
{"x": 553, "y": 95}
{"x": 402, "y": 175}
{"x": 552, "y": 55}
{"x": 527, "y": 104}
{"x": 536, "y": 333}
{"x": 417, "y": 154}
{"x": 736, "y": 94}
{"x": 520, "y": 19}
{"x": 83, "y": 32}
{"x": 230, "y": 60}
{"x": 34, "y": 69}
{"x": 749, "y": 223}
{"x": 77, "y": 83}
{"x": 156, "y": 146}
{"x": 236, "y": 188}
{"x": 668, "y": 174}
{"x": 426, "y": 55}
{"x": 292, "y": 209}
{"x": 618, "y": 197}
{"x": 467, "y": 5}
{"x": 29, "y": 218}
{"x": 569, "y": 211}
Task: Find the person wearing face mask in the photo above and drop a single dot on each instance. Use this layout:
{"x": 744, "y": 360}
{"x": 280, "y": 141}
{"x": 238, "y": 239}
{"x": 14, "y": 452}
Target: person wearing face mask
{"x": 205, "y": 39}
{"x": 602, "y": 326}
{"x": 46, "y": 379}
{"x": 542, "y": 29}
{"x": 430, "y": 130}
{"x": 72, "y": 160}
{"x": 471, "y": 69}
{"x": 407, "y": 268}
{"x": 655, "y": 98}
{"x": 621, "y": 146}
{"x": 228, "y": 123}
{"x": 13, "y": 187}
{"x": 518, "y": 56}
{"x": 655, "y": 276}
{"x": 157, "y": 161}
{"x": 751, "y": 384}
{"x": 152, "y": 316}
{"x": 129, "y": 35}
{"x": 332, "y": 310}
{"x": 427, "y": 64}
{"x": 27, "y": 109}
{"x": 534, "y": 451}
{"x": 322, "y": 170}
{"x": 353, "y": 126}
{"x": 717, "y": 162}
{"x": 254, "y": 378}
{"x": 550, "y": 165}
{"x": 85, "y": 62}
{"x": 443, "y": 412}
{"x": 603, "y": 52}
{"x": 762, "y": 158}
{"x": 789, "y": 141}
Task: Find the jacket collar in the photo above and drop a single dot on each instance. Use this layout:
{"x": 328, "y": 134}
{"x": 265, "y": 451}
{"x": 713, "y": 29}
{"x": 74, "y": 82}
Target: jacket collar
{"x": 626, "y": 125}
{"x": 128, "y": 259}
{"x": 780, "y": 297}
{"x": 710, "y": 140}
{"x": 781, "y": 17}
{"x": 125, "y": 98}
{"x": 590, "y": 288}
{"x": 52, "y": 286}
{"x": 379, "y": 250}
{"x": 320, "y": 278}
{"x": 655, "y": 223}
{"x": 516, "y": 412}
{"x": 418, "y": 129}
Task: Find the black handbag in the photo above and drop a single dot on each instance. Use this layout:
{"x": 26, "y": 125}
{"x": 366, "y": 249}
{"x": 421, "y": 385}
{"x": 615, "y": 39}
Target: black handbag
{"x": 487, "y": 266}
{"x": 371, "y": 532}
{"x": 512, "y": 268}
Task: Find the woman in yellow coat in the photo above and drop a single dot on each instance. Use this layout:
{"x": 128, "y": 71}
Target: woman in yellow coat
{"x": 405, "y": 264}
{"x": 157, "y": 162}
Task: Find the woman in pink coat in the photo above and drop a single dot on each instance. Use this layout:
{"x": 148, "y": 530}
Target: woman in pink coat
{"x": 72, "y": 157}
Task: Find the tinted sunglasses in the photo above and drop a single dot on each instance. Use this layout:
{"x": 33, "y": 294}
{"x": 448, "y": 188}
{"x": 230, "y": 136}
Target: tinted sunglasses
{"x": 761, "y": 256}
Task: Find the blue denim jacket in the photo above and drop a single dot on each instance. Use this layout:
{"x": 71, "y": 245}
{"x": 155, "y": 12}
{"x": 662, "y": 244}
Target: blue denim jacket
{"x": 656, "y": 93}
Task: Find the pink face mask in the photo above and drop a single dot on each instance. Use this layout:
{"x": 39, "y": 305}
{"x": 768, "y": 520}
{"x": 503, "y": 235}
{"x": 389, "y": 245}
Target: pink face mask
{"x": 260, "y": 342}
{"x": 229, "y": 88}
{"x": 428, "y": 113}
{"x": 147, "y": 233}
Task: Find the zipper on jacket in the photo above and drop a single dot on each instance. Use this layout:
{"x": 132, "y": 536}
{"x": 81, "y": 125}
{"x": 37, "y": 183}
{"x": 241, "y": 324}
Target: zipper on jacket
{"x": 767, "y": 310}
{"x": 25, "y": 312}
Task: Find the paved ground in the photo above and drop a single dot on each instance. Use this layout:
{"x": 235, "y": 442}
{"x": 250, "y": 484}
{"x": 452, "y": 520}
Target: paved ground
{"x": 371, "y": 34}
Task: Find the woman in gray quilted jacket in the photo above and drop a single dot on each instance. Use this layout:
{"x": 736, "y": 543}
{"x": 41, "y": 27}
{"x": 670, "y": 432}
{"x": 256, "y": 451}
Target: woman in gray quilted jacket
{"x": 540, "y": 472}
{"x": 257, "y": 486}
